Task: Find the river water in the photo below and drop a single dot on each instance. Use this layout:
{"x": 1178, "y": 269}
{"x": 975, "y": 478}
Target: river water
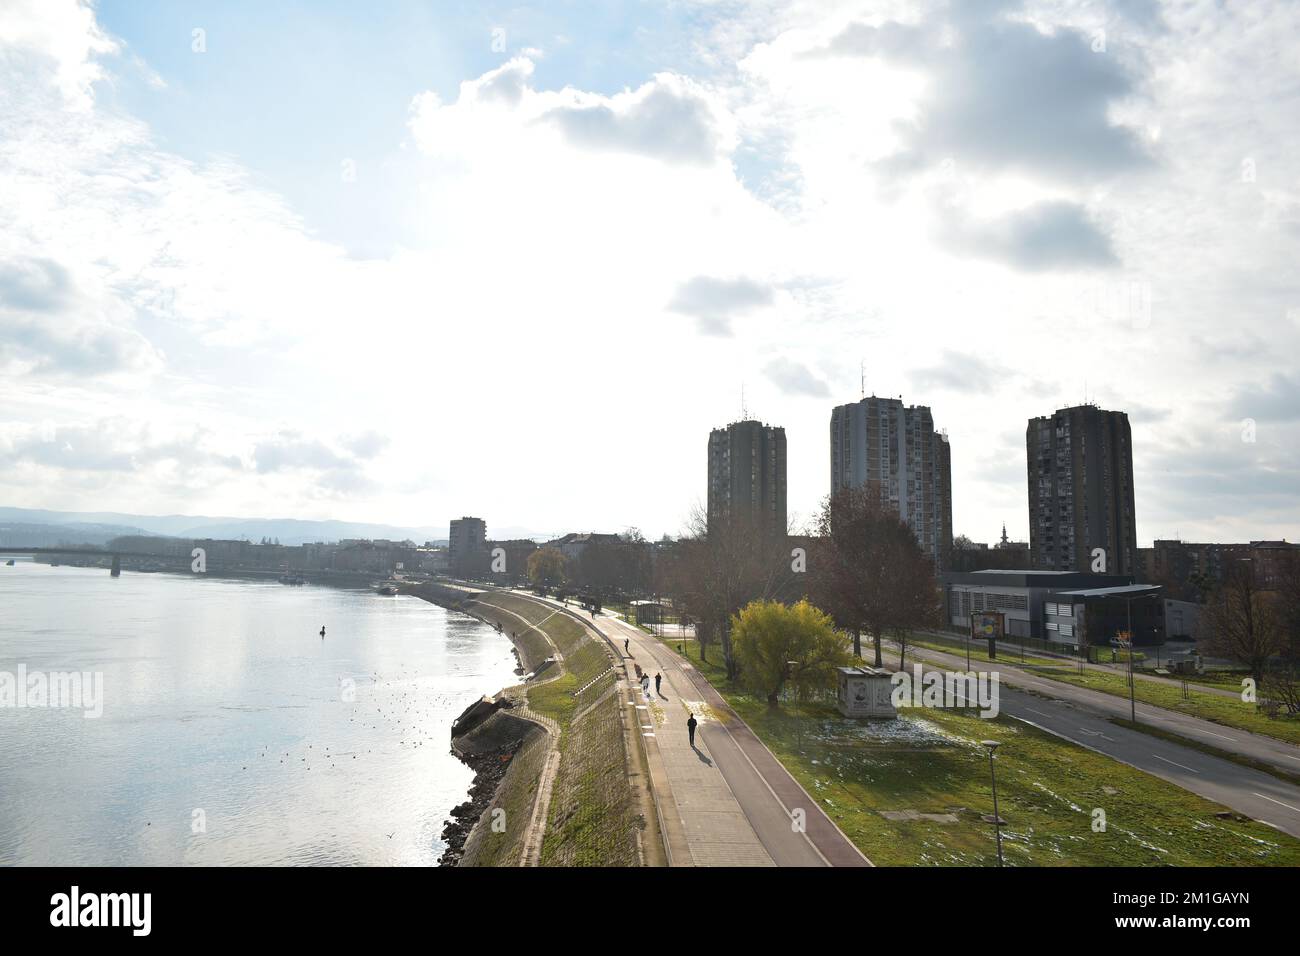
{"x": 231, "y": 733}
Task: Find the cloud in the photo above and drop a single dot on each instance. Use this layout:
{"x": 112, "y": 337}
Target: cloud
{"x": 48, "y": 328}
{"x": 289, "y": 450}
{"x": 111, "y": 445}
{"x": 65, "y": 34}
{"x": 669, "y": 118}
{"x": 713, "y": 302}
{"x": 1277, "y": 400}
{"x": 958, "y": 372}
{"x": 1005, "y": 95}
{"x": 367, "y": 444}
{"x": 33, "y": 284}
{"x": 793, "y": 378}
{"x": 1051, "y": 235}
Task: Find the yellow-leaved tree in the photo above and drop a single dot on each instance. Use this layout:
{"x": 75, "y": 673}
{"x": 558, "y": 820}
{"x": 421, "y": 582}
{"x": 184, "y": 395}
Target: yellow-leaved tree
{"x": 776, "y": 643}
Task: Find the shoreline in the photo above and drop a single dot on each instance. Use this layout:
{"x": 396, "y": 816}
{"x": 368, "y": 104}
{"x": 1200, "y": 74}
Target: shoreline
{"x": 491, "y": 765}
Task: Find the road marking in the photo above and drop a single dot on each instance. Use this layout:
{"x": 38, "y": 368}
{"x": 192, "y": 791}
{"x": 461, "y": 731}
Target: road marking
{"x": 1095, "y": 733}
{"x": 1038, "y": 712}
{"x": 1220, "y": 736}
{"x": 1278, "y": 802}
{"x": 1167, "y": 760}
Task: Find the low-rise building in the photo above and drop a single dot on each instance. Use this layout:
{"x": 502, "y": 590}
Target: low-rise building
{"x": 1071, "y": 608}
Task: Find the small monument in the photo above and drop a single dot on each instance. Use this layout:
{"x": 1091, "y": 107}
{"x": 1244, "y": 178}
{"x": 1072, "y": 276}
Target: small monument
{"x": 865, "y": 692}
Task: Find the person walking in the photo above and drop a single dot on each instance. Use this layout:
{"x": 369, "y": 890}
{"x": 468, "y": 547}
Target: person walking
{"x": 322, "y": 632}
{"x": 658, "y": 678}
{"x": 690, "y": 728}
{"x": 645, "y": 684}
{"x": 625, "y": 647}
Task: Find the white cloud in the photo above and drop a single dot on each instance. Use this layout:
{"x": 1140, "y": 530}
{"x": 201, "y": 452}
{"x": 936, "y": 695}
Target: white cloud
{"x": 567, "y": 231}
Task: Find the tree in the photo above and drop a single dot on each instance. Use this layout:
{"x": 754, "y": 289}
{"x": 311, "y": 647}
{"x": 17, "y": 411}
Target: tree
{"x": 775, "y": 643}
{"x": 712, "y": 573}
{"x": 1243, "y": 622}
{"x": 548, "y": 568}
{"x": 868, "y": 570}
{"x": 1282, "y": 680}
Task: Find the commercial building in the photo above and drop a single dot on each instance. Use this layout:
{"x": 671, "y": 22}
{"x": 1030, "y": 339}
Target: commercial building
{"x": 1072, "y": 608}
{"x": 1080, "y": 465}
{"x": 882, "y": 444}
{"x": 747, "y": 465}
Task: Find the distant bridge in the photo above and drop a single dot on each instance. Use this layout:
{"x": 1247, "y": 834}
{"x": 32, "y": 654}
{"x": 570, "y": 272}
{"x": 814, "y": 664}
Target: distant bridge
{"x": 97, "y": 552}
{"x": 116, "y": 556}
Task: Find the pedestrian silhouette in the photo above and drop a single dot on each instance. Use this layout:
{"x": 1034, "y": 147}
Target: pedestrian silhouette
{"x": 658, "y": 678}
{"x": 690, "y": 728}
{"x": 322, "y": 632}
{"x": 625, "y": 647}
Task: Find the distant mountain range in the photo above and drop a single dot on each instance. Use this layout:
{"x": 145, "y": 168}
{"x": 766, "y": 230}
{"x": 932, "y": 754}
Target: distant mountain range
{"x": 35, "y": 527}
{"x": 30, "y": 527}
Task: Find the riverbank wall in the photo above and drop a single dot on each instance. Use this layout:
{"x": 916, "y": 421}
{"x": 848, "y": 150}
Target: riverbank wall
{"x": 572, "y": 781}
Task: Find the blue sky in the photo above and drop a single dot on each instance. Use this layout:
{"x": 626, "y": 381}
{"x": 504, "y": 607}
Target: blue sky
{"x": 291, "y": 90}
{"x": 399, "y": 267}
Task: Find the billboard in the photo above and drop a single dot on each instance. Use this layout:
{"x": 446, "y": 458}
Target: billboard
{"x": 987, "y": 625}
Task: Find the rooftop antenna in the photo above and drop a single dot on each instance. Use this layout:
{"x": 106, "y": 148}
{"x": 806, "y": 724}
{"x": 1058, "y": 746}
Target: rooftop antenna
{"x": 744, "y": 412}
{"x": 862, "y": 377}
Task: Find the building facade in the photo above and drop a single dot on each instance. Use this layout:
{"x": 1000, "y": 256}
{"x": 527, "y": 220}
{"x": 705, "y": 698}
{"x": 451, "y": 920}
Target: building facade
{"x": 880, "y": 443}
{"x": 1070, "y": 608}
{"x": 1080, "y": 480}
{"x": 747, "y": 466}
{"x": 467, "y": 551}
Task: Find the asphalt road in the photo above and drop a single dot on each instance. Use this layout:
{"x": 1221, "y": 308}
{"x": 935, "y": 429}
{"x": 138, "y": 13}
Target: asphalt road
{"x": 1252, "y": 793}
{"x": 1269, "y": 750}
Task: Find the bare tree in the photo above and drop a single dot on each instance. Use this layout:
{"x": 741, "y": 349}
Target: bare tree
{"x": 1244, "y": 622}
{"x": 868, "y": 571}
{"x": 1282, "y": 680}
{"x": 713, "y": 573}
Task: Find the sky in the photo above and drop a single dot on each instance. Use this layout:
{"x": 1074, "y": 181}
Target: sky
{"x": 406, "y": 261}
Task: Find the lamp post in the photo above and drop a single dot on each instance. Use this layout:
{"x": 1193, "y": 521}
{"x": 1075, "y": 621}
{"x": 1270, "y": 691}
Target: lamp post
{"x": 1132, "y": 679}
{"x": 992, "y": 745}
{"x": 798, "y": 722}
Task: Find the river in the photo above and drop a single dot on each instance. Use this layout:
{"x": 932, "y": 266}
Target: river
{"x": 231, "y": 733}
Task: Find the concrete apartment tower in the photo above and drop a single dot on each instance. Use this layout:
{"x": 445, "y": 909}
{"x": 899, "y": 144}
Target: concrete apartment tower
{"x": 1080, "y": 464}
{"x": 467, "y": 545}
{"x": 883, "y": 444}
{"x": 747, "y": 476}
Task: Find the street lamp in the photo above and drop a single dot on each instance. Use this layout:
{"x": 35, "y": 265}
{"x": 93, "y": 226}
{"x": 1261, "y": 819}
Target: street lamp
{"x": 1132, "y": 680}
{"x": 798, "y": 723}
{"x": 992, "y": 745}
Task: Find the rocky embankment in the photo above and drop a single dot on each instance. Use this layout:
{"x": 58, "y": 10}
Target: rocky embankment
{"x": 489, "y": 770}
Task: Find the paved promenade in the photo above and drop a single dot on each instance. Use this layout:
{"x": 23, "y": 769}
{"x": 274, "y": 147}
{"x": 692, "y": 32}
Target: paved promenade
{"x": 727, "y": 801}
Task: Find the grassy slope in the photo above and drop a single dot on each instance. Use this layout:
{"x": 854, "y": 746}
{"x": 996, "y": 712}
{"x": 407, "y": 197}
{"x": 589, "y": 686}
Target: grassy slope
{"x": 515, "y": 796}
{"x": 593, "y": 820}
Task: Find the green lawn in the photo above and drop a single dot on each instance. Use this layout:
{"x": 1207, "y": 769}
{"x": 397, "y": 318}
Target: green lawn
{"x": 932, "y": 763}
{"x": 1229, "y": 712}
{"x": 1213, "y": 707}
{"x": 979, "y": 651}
